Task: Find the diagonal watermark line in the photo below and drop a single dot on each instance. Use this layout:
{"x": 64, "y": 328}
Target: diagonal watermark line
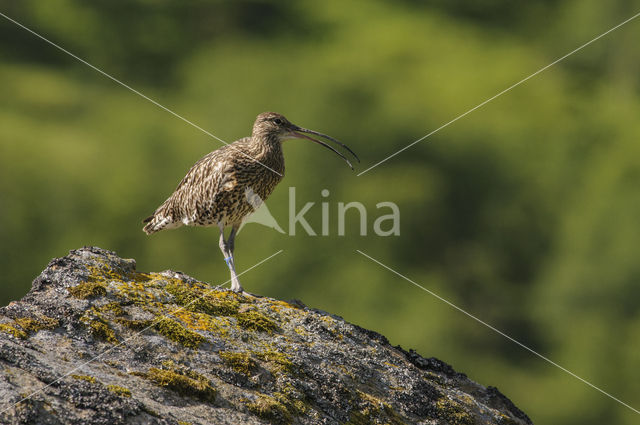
{"x": 155, "y": 322}
{"x": 136, "y": 91}
{"x": 499, "y": 332}
{"x": 501, "y": 93}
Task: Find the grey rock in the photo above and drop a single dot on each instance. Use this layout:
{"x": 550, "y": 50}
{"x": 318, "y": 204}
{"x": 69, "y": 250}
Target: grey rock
{"x": 97, "y": 342}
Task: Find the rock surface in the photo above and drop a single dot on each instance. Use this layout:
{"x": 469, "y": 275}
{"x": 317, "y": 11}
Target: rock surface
{"x": 96, "y": 342}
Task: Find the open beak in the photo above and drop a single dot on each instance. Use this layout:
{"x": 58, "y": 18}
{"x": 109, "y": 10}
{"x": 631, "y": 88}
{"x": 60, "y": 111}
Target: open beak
{"x": 298, "y": 132}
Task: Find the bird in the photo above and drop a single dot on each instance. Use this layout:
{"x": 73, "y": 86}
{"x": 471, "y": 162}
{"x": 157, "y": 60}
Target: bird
{"x": 215, "y": 191}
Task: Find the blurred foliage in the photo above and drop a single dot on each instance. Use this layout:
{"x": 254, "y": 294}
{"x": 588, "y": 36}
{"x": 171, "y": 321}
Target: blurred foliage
{"x": 525, "y": 212}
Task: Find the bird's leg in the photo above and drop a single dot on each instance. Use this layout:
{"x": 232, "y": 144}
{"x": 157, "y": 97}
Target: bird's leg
{"x": 235, "y": 283}
{"x": 224, "y": 247}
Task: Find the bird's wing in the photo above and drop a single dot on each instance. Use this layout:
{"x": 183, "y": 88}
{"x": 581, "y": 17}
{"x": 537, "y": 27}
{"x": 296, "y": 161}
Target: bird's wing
{"x": 214, "y": 171}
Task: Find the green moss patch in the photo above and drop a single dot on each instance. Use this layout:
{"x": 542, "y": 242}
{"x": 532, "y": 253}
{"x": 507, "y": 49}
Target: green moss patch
{"x": 204, "y": 301}
{"x": 278, "y": 362}
{"x": 184, "y": 382}
{"x": 88, "y": 289}
{"x": 106, "y": 273}
{"x": 30, "y": 325}
{"x": 85, "y": 378}
{"x": 197, "y": 321}
{"x": 23, "y": 326}
{"x": 12, "y": 330}
{"x": 136, "y": 325}
{"x": 256, "y": 321}
{"x": 167, "y": 327}
{"x": 240, "y": 362}
{"x": 121, "y": 391}
{"x": 270, "y": 409}
{"x": 114, "y": 308}
{"x": 174, "y": 331}
{"x": 129, "y": 285}
{"x": 101, "y": 330}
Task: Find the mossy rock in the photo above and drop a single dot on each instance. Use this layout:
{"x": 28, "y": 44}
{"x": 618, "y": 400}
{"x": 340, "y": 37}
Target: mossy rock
{"x": 184, "y": 382}
{"x": 178, "y": 333}
{"x": 277, "y": 361}
{"x": 88, "y": 289}
{"x": 13, "y": 331}
{"x": 256, "y": 321}
{"x": 453, "y": 412}
{"x": 101, "y": 330}
{"x": 121, "y": 391}
{"x": 87, "y": 378}
{"x": 240, "y": 362}
{"x": 233, "y": 358}
{"x": 22, "y": 327}
{"x": 206, "y": 301}
{"x": 268, "y": 408}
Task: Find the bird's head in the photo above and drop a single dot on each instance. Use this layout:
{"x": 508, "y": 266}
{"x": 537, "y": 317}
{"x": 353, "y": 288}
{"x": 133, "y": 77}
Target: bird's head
{"x": 274, "y": 127}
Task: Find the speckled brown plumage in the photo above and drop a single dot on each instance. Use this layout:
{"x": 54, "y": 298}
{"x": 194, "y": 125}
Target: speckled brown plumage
{"x": 217, "y": 189}
{"x": 214, "y": 190}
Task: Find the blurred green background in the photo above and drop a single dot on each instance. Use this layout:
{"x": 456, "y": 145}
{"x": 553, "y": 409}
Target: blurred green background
{"x": 524, "y": 213}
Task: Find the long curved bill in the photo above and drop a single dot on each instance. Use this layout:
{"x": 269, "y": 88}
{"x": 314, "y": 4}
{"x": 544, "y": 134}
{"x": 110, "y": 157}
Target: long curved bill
{"x": 299, "y": 132}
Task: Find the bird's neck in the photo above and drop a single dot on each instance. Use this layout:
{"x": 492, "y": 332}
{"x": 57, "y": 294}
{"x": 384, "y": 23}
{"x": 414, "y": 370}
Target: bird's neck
{"x": 266, "y": 144}
{"x": 268, "y": 150}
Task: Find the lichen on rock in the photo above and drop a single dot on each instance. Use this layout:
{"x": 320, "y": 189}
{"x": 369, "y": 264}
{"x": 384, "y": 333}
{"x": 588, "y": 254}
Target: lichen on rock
{"x": 182, "y": 380}
{"x": 240, "y": 362}
{"x": 117, "y": 389}
{"x": 270, "y": 409}
{"x": 22, "y": 327}
{"x": 96, "y": 341}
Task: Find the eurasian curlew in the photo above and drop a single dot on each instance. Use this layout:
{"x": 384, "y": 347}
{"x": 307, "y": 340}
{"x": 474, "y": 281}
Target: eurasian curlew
{"x": 216, "y": 189}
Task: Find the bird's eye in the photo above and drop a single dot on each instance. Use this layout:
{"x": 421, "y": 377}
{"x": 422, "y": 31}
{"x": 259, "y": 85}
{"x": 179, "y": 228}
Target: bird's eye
{"x": 278, "y": 121}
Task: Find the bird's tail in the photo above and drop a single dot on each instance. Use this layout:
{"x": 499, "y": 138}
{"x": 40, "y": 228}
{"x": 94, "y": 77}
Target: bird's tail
{"x": 157, "y": 222}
